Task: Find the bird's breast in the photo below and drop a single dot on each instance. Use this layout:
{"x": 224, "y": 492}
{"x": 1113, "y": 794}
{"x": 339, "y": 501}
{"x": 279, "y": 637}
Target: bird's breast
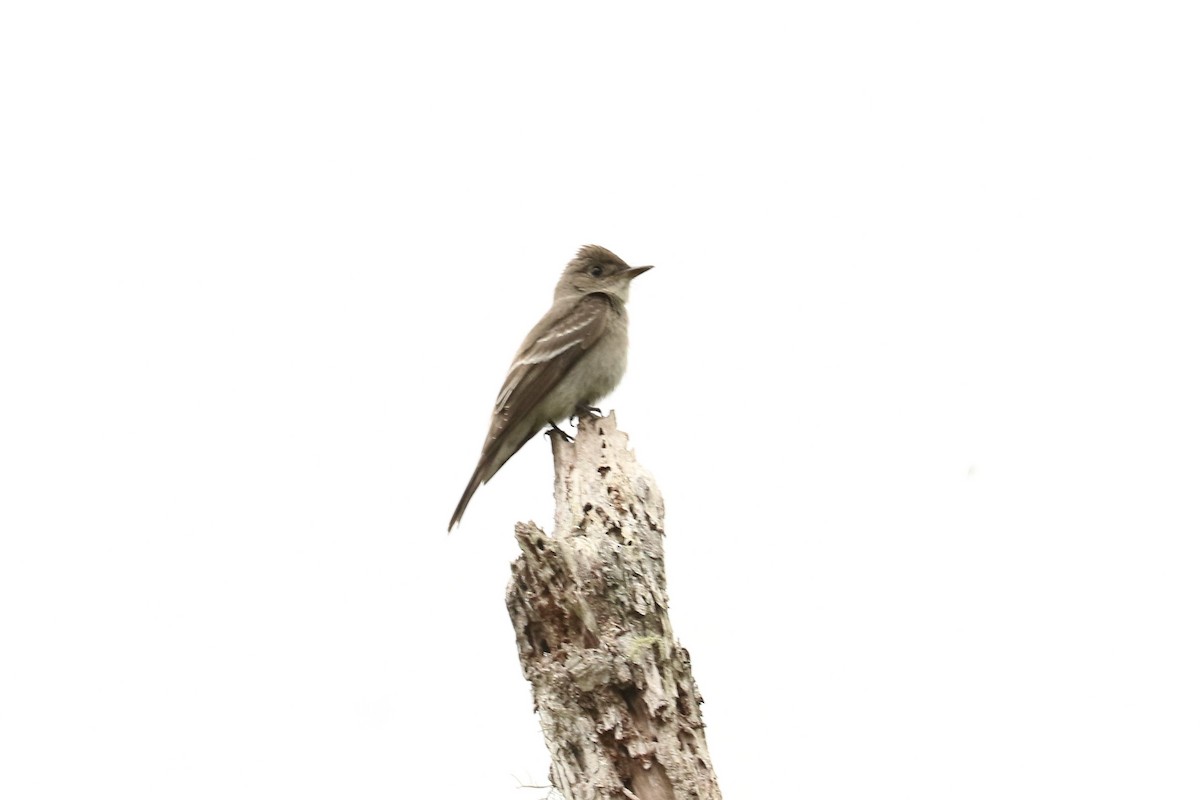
{"x": 595, "y": 375}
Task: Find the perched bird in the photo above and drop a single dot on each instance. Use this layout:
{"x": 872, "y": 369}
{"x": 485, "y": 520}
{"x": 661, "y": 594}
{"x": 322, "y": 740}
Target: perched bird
{"x": 574, "y": 356}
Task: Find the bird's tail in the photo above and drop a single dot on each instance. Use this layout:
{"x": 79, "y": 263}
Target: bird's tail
{"x": 495, "y": 455}
{"x": 476, "y": 479}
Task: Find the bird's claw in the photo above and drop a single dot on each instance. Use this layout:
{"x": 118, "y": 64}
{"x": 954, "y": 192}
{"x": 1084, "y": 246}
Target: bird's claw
{"x": 555, "y": 429}
{"x": 591, "y": 411}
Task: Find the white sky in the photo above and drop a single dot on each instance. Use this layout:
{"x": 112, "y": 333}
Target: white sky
{"x": 917, "y": 374}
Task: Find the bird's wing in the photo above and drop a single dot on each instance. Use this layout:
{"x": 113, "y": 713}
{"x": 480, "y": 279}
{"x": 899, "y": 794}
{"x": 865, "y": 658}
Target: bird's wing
{"x": 554, "y": 345}
{"x": 549, "y": 352}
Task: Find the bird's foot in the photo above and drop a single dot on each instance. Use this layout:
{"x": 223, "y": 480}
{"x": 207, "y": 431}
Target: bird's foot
{"x": 591, "y": 411}
{"x": 555, "y": 429}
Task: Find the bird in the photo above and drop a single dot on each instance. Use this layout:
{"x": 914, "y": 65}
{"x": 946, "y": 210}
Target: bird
{"x": 573, "y": 356}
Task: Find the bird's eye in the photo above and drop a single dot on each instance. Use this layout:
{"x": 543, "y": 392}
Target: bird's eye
{"x": 596, "y": 271}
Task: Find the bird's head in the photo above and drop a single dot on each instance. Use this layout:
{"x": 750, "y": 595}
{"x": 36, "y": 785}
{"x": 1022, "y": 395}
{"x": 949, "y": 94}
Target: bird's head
{"x": 595, "y": 269}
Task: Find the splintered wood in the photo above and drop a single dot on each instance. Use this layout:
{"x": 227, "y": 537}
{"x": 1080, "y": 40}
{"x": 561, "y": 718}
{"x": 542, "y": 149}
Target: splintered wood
{"x": 613, "y": 689}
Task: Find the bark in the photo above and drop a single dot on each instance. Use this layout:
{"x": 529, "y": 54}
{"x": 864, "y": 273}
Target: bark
{"x": 613, "y": 689}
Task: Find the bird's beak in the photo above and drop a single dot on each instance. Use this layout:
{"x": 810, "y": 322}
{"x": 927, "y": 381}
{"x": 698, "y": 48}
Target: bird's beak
{"x": 633, "y": 272}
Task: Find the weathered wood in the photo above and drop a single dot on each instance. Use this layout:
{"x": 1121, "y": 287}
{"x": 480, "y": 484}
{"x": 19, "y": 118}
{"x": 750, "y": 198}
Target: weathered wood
{"x": 613, "y": 689}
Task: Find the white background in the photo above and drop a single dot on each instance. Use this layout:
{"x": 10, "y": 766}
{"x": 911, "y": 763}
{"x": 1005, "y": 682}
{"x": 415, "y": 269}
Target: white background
{"x": 916, "y": 373}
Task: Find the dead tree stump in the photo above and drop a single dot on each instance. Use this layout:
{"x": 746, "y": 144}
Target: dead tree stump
{"x": 613, "y": 689}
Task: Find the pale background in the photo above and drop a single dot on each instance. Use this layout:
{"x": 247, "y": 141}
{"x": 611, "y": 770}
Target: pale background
{"x": 917, "y": 374}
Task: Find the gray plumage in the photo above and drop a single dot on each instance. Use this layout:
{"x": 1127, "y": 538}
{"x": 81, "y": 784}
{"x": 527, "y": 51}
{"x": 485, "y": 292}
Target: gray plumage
{"x": 574, "y": 356}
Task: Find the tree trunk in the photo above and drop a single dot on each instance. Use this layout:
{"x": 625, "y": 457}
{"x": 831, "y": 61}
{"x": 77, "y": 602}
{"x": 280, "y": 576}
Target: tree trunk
{"x": 613, "y": 689}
